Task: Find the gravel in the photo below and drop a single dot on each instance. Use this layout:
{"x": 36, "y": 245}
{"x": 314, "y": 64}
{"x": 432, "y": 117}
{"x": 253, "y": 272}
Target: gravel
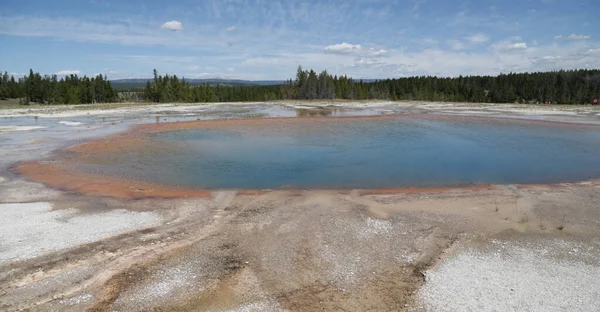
{"x": 354, "y": 249}
{"x": 51, "y": 285}
{"x": 30, "y": 230}
{"x": 262, "y": 306}
{"x": 77, "y": 299}
{"x": 550, "y": 275}
{"x": 163, "y": 286}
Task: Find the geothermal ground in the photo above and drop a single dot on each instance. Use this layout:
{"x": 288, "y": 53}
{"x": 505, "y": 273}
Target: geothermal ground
{"x": 502, "y": 247}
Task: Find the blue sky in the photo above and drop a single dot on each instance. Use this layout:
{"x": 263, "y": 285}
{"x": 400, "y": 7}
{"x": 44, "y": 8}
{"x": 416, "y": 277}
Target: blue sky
{"x": 268, "y": 39}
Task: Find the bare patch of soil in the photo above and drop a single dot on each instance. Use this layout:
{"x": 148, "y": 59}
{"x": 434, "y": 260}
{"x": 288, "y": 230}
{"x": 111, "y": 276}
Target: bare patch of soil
{"x": 285, "y": 250}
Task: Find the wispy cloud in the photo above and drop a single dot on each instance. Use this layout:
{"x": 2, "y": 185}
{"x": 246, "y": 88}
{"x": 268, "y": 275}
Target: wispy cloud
{"x": 68, "y": 72}
{"x": 573, "y": 37}
{"x": 83, "y": 30}
{"x": 354, "y": 49}
{"x": 504, "y": 56}
{"x": 416, "y": 7}
{"x": 478, "y": 38}
{"x": 456, "y": 45}
{"x": 260, "y": 39}
{"x": 363, "y": 61}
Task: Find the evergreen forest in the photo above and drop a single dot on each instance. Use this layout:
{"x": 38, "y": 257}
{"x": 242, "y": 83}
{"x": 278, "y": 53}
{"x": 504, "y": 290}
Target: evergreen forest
{"x": 555, "y": 87}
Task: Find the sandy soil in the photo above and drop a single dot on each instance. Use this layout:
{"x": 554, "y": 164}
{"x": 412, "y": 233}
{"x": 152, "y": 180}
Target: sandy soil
{"x": 495, "y": 248}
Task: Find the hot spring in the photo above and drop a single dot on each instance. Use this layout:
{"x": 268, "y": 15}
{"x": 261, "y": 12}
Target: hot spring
{"x": 347, "y": 153}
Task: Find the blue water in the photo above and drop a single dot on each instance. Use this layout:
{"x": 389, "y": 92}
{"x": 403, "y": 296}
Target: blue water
{"x": 382, "y": 153}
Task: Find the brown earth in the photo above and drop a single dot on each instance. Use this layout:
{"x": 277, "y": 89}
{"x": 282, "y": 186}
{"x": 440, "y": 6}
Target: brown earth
{"x": 298, "y": 250}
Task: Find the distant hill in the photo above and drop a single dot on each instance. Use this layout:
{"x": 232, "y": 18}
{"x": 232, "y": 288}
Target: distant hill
{"x": 140, "y": 83}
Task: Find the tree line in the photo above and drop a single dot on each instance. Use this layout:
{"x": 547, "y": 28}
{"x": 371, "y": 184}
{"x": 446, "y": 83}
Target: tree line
{"x": 173, "y": 89}
{"x": 71, "y": 89}
{"x": 562, "y": 87}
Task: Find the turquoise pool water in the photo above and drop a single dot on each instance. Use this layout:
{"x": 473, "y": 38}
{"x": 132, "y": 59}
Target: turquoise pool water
{"x": 370, "y": 154}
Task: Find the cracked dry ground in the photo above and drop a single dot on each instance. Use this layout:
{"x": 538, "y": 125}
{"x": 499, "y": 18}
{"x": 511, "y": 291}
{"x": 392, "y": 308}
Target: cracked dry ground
{"x": 284, "y": 250}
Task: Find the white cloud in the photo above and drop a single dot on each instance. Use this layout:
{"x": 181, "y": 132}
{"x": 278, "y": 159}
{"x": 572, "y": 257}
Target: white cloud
{"x": 573, "y": 37}
{"x": 343, "y": 48}
{"x": 172, "y": 25}
{"x": 376, "y": 52}
{"x": 232, "y": 28}
{"x": 509, "y": 44}
{"x": 478, "y": 38}
{"x": 517, "y": 46}
{"x": 456, "y": 45}
{"x": 578, "y": 37}
{"x": 453, "y": 63}
{"x": 550, "y": 58}
{"x": 354, "y": 49}
{"x": 400, "y": 62}
{"x": 193, "y": 68}
{"x": 364, "y": 61}
{"x": 68, "y": 72}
